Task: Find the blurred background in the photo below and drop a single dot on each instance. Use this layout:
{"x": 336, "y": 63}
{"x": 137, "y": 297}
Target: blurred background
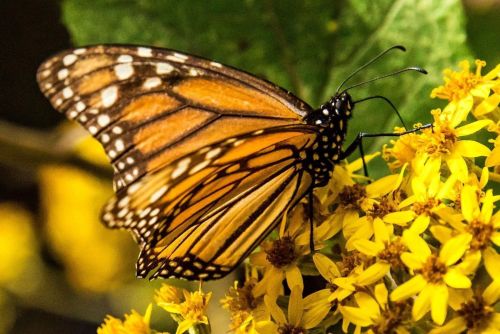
{"x": 61, "y": 271}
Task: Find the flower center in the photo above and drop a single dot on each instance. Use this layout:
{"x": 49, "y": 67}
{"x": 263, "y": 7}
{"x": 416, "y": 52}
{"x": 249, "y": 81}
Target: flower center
{"x": 392, "y": 253}
{"x": 391, "y": 318}
{"x": 290, "y": 329}
{"x": 459, "y": 84}
{"x": 351, "y": 261}
{"x": 440, "y": 141}
{"x": 434, "y": 269}
{"x": 384, "y": 207}
{"x": 282, "y": 252}
{"x": 476, "y": 313}
{"x": 481, "y": 234}
{"x": 351, "y": 196}
{"x": 242, "y": 299}
{"x": 425, "y": 208}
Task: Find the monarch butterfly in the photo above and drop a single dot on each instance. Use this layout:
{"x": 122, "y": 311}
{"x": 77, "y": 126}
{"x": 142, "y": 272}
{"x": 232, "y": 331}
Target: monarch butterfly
{"x": 206, "y": 158}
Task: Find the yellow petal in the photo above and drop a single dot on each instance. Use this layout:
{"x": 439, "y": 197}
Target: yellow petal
{"x": 368, "y": 247}
{"x": 367, "y": 304}
{"x": 409, "y": 288}
{"x": 422, "y": 303}
{"x": 275, "y": 311}
{"x": 420, "y": 224}
{"x": 487, "y": 207}
{"x": 458, "y": 167}
{"x": 464, "y": 106}
{"x": 492, "y": 292}
{"x": 456, "y": 279}
{"x": 326, "y": 267}
{"x": 373, "y": 273}
{"x": 456, "y": 325}
{"x": 468, "y": 201}
{"x": 454, "y": 248}
{"x": 381, "y": 232}
{"x": 416, "y": 244}
{"x": 494, "y": 158}
{"x": 381, "y": 294}
{"x": 313, "y": 316}
{"x": 355, "y": 315}
{"x": 439, "y": 306}
{"x": 295, "y": 306}
{"x": 471, "y": 149}
{"x": 412, "y": 261}
{"x": 441, "y": 233}
{"x": 399, "y": 218}
{"x": 469, "y": 263}
{"x": 492, "y": 262}
{"x": 382, "y": 186}
{"x": 294, "y": 277}
{"x": 471, "y": 128}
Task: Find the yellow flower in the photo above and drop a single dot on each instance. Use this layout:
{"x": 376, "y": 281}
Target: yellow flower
{"x": 475, "y": 315}
{"x": 429, "y": 195}
{"x": 379, "y": 200}
{"x": 96, "y": 259}
{"x": 462, "y": 87}
{"x": 375, "y": 312}
{"x": 442, "y": 142}
{"x": 281, "y": 258}
{"x": 299, "y": 320}
{"x": 17, "y": 243}
{"x": 247, "y": 310}
{"x": 434, "y": 274}
{"x": 349, "y": 274}
{"x": 134, "y": 323}
{"x": 386, "y": 247}
{"x": 403, "y": 150}
{"x": 187, "y": 308}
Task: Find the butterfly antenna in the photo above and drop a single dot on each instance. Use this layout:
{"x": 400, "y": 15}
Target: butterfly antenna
{"x": 386, "y": 100}
{"x": 412, "y": 68}
{"x": 395, "y": 47}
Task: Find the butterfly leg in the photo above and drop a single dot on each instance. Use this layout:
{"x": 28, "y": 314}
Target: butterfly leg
{"x": 358, "y": 142}
{"x": 310, "y": 205}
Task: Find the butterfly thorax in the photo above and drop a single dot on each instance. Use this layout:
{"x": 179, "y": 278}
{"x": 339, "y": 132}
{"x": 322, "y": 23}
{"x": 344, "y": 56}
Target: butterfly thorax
{"x": 331, "y": 121}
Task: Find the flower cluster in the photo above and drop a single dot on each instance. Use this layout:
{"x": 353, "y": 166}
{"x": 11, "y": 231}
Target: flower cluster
{"x": 413, "y": 251}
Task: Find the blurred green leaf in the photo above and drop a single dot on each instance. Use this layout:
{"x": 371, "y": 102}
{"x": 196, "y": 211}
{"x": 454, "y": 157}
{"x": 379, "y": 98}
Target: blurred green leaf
{"x": 308, "y": 47}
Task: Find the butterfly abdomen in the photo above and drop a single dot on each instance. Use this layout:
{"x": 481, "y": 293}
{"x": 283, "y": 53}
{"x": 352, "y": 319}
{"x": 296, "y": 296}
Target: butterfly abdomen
{"x": 331, "y": 118}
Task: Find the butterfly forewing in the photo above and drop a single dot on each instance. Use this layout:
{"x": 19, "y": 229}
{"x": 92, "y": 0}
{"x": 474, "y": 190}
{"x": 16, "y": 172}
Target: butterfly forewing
{"x": 199, "y": 149}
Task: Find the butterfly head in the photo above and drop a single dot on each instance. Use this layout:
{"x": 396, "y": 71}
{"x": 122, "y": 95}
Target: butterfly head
{"x": 338, "y": 108}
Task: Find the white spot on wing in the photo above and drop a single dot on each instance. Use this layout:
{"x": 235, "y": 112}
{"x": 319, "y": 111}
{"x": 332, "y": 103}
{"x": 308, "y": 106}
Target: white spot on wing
{"x": 199, "y": 166}
{"x": 119, "y": 145}
{"x": 79, "y": 51}
{"x": 80, "y": 106}
{"x": 158, "y": 194}
{"x": 67, "y": 92}
{"x": 213, "y": 153}
{"x": 124, "y": 71}
{"x": 181, "y": 167}
{"x": 103, "y": 120}
{"x": 144, "y": 52}
{"x": 69, "y": 59}
{"x": 62, "y": 74}
{"x": 151, "y": 83}
{"x": 125, "y": 59}
{"x": 109, "y": 96}
{"x": 164, "y": 68}
{"x": 213, "y": 63}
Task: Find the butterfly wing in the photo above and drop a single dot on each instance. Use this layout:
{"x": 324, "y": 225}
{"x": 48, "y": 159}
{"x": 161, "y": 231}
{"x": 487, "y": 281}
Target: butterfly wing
{"x": 203, "y": 224}
{"x": 148, "y": 107}
{"x": 206, "y": 157}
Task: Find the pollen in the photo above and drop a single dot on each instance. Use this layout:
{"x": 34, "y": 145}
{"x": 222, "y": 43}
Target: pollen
{"x": 384, "y": 207}
{"x": 459, "y": 84}
{"x": 476, "y": 313}
{"x": 421, "y": 208}
{"x": 351, "y": 196}
{"x": 392, "y": 254}
{"x": 291, "y": 329}
{"x": 392, "y": 318}
{"x": 481, "y": 234}
{"x": 434, "y": 269}
{"x": 282, "y": 252}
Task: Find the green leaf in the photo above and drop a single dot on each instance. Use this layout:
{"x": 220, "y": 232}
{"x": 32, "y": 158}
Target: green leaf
{"x": 307, "y": 47}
